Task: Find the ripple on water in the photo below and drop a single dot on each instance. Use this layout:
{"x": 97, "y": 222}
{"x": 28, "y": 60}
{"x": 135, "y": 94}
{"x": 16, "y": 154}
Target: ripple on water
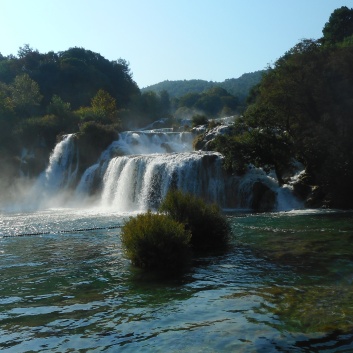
{"x": 70, "y": 292}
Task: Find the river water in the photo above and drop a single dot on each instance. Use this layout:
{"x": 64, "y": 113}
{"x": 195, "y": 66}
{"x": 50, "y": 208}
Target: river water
{"x": 285, "y": 285}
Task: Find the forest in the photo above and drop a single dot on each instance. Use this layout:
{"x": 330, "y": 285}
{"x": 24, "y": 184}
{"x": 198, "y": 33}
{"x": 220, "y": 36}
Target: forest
{"x": 302, "y": 110}
{"x": 238, "y": 87}
{"x": 298, "y": 110}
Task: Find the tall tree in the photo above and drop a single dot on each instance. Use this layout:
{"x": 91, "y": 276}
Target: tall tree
{"x": 25, "y": 95}
{"x": 105, "y": 106}
{"x": 339, "y": 26}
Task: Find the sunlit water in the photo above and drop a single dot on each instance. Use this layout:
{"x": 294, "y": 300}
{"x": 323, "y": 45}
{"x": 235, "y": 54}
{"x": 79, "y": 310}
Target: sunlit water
{"x": 285, "y": 285}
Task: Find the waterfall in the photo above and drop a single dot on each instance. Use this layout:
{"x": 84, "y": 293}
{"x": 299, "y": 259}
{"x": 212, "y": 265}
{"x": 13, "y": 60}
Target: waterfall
{"x": 140, "y": 182}
{"x": 143, "y": 143}
{"x": 63, "y": 165}
{"x": 136, "y": 171}
{"x": 154, "y": 141}
{"x": 53, "y": 187}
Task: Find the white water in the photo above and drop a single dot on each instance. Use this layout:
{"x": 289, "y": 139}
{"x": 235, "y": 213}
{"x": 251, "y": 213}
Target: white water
{"x": 135, "y": 172}
{"x": 63, "y": 165}
{"x": 141, "y": 182}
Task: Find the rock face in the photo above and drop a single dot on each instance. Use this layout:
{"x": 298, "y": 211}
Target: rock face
{"x": 264, "y": 199}
{"x": 204, "y": 139}
{"x": 305, "y": 190}
{"x": 315, "y": 198}
{"x": 302, "y": 190}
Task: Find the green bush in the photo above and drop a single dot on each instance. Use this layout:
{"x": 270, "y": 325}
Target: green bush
{"x": 209, "y": 228}
{"x": 93, "y": 139}
{"x": 199, "y": 119}
{"x": 157, "y": 242}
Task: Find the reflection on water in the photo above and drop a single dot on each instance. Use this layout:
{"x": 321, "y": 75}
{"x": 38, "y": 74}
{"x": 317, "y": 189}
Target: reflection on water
{"x": 284, "y": 286}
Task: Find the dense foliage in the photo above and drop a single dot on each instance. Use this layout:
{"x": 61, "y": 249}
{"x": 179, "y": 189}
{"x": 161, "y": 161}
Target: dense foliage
{"x": 164, "y": 241}
{"x": 209, "y": 228}
{"x": 44, "y": 95}
{"x": 157, "y": 242}
{"x": 214, "y": 99}
{"x": 302, "y": 110}
{"x": 214, "y": 102}
{"x": 238, "y": 87}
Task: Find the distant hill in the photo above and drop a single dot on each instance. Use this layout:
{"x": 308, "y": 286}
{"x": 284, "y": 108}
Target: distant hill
{"x": 179, "y": 88}
{"x": 238, "y": 87}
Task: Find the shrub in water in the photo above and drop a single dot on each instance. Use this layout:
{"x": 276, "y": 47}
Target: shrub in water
{"x": 209, "y": 228}
{"x": 156, "y": 241}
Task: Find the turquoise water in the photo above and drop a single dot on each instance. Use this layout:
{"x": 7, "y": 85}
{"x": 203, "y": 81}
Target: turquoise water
{"x": 285, "y": 285}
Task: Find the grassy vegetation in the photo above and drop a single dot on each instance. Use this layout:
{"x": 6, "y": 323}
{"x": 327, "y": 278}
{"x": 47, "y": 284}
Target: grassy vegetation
{"x": 209, "y": 228}
{"x": 165, "y": 241}
{"x": 156, "y": 242}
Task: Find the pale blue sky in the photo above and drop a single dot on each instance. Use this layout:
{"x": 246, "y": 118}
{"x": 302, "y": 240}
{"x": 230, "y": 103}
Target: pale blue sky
{"x": 168, "y": 39}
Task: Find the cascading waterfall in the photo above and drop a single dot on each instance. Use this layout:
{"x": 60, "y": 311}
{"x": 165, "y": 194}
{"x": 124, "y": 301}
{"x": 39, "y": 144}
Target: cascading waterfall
{"x": 285, "y": 200}
{"x": 141, "y": 182}
{"x": 134, "y": 143}
{"x": 59, "y": 176}
{"x": 135, "y": 173}
{"x": 155, "y": 141}
{"x": 63, "y": 165}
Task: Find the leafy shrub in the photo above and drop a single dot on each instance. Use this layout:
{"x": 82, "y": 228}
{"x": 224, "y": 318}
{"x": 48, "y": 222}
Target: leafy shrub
{"x": 209, "y": 228}
{"x": 199, "y": 119}
{"x": 99, "y": 134}
{"x": 156, "y": 241}
{"x": 93, "y": 139}
{"x": 47, "y": 127}
{"x": 198, "y": 143}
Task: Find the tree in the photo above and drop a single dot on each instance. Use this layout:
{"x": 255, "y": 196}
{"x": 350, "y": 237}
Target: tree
{"x": 305, "y": 101}
{"x": 6, "y": 118}
{"x": 211, "y": 102}
{"x": 105, "y": 105}
{"x": 24, "y": 51}
{"x": 25, "y": 95}
{"x": 165, "y": 103}
{"x": 58, "y": 107}
{"x": 188, "y": 100}
{"x": 339, "y": 26}
{"x": 199, "y": 119}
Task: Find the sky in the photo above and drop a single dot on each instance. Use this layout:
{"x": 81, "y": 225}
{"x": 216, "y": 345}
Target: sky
{"x": 211, "y": 40}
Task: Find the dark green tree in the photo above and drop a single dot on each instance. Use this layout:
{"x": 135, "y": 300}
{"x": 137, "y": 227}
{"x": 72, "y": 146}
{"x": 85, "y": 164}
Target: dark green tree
{"x": 302, "y": 110}
{"x": 339, "y": 26}
{"x": 199, "y": 119}
{"x": 165, "y": 103}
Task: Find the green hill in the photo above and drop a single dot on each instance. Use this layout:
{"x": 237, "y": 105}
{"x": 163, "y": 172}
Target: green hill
{"x": 238, "y": 87}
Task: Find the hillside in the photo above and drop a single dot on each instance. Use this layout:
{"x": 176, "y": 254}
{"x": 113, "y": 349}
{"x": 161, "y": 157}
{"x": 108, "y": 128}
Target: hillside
{"x": 238, "y": 87}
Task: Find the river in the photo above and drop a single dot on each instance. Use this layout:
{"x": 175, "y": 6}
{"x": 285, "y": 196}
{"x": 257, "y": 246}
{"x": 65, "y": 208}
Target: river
{"x": 285, "y": 285}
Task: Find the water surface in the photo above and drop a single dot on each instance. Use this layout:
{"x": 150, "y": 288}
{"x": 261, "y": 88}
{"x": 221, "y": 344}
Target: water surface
{"x": 285, "y": 285}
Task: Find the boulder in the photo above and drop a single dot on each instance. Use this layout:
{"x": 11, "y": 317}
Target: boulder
{"x": 263, "y": 199}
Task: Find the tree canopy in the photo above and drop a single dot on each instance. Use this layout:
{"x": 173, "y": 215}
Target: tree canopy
{"x": 339, "y": 26}
{"x": 75, "y": 75}
{"x": 302, "y": 110}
